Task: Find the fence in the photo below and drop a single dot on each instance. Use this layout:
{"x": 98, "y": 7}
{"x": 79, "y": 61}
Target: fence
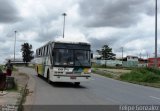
{"x": 119, "y": 63}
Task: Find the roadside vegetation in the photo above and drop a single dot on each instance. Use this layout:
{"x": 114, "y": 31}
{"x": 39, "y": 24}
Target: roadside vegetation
{"x": 31, "y": 66}
{"x": 142, "y": 76}
{"x": 103, "y": 73}
{"x": 110, "y": 72}
{"x": 2, "y": 67}
{"x": 27, "y": 52}
{"x": 112, "y": 67}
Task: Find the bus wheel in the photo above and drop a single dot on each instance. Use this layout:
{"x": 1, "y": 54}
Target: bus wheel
{"x": 48, "y": 77}
{"x": 37, "y": 72}
{"x": 76, "y": 83}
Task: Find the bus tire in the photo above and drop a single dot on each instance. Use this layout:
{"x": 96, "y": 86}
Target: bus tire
{"x": 38, "y": 73}
{"x": 76, "y": 84}
{"x": 48, "y": 77}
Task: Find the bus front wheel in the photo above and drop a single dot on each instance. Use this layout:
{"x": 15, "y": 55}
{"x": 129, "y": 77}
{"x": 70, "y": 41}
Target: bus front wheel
{"x": 76, "y": 83}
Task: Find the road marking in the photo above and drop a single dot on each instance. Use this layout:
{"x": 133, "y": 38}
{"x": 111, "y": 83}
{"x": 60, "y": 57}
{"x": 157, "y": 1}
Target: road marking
{"x": 154, "y": 97}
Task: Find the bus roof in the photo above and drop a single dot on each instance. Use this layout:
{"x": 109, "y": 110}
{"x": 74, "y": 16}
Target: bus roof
{"x": 70, "y": 42}
{"x": 65, "y": 42}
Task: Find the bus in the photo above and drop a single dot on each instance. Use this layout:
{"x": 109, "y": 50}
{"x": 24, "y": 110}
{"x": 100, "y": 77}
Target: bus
{"x": 64, "y": 62}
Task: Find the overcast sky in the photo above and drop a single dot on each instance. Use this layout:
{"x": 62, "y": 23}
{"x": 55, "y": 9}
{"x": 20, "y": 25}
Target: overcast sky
{"x": 118, "y": 23}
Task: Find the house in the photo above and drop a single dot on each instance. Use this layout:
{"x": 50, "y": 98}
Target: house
{"x": 130, "y": 61}
{"x": 131, "y": 58}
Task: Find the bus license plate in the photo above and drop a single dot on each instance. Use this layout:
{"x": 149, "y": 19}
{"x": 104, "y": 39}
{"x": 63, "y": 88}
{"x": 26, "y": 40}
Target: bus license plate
{"x": 73, "y": 77}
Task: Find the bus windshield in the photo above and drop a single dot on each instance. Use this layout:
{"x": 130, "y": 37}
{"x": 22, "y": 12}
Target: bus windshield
{"x": 69, "y": 57}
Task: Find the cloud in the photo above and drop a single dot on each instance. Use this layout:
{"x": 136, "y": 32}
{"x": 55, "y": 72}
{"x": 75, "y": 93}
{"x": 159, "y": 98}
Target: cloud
{"x": 118, "y": 23}
{"x": 43, "y": 18}
{"x": 8, "y": 12}
{"x": 115, "y": 13}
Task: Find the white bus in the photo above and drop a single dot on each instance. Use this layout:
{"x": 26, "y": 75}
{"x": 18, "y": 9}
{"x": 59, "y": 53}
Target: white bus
{"x": 64, "y": 62}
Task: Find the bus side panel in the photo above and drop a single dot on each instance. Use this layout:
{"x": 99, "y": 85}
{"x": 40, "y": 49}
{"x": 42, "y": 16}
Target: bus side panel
{"x": 40, "y": 69}
{"x": 47, "y": 61}
{"x": 39, "y": 66}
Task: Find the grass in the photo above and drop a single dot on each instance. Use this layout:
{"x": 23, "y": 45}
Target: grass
{"x": 15, "y": 69}
{"x": 2, "y": 67}
{"x": 33, "y": 67}
{"x": 102, "y": 73}
{"x": 111, "y": 73}
{"x": 112, "y": 67}
{"x": 103, "y": 66}
{"x": 107, "y": 75}
{"x": 143, "y": 76}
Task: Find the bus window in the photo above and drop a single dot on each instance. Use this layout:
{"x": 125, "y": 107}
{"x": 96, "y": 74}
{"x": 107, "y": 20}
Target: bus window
{"x": 82, "y": 58}
{"x": 71, "y": 57}
{"x": 39, "y": 52}
{"x": 64, "y": 57}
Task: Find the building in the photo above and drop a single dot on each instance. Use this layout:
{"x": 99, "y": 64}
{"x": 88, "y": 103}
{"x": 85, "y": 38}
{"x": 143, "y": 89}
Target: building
{"x": 17, "y": 61}
{"x": 151, "y": 62}
{"x": 131, "y": 58}
{"x": 130, "y": 61}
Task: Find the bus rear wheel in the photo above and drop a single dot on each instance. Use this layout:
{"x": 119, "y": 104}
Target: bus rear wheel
{"x": 76, "y": 83}
{"x": 38, "y": 73}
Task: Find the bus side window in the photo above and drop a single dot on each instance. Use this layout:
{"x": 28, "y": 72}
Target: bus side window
{"x": 39, "y": 52}
{"x": 91, "y": 55}
{"x": 52, "y": 53}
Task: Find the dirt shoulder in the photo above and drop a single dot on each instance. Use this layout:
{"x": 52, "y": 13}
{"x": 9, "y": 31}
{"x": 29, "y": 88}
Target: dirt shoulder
{"x": 111, "y": 73}
{"x": 14, "y": 97}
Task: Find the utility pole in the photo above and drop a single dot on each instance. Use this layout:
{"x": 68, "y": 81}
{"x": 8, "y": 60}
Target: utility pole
{"x": 155, "y": 33}
{"x": 64, "y": 14}
{"x": 15, "y": 44}
{"x": 140, "y": 55}
{"x": 147, "y": 55}
{"x": 122, "y": 53}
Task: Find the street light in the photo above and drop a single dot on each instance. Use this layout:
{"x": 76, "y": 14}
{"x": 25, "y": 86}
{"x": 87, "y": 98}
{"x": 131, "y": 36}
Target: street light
{"x": 156, "y": 33}
{"x": 15, "y": 44}
{"x": 64, "y": 14}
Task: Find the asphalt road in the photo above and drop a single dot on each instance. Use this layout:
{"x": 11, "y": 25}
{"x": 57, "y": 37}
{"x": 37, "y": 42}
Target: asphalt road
{"x": 99, "y": 91}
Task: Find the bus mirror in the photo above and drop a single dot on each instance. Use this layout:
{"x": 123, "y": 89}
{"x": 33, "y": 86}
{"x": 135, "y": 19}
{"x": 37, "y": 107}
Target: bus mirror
{"x": 52, "y": 53}
{"x": 91, "y": 55}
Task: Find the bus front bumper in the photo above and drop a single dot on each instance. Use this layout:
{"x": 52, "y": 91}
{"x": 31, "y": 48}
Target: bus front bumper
{"x": 66, "y": 78}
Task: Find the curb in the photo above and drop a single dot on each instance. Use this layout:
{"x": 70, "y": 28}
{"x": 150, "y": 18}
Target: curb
{"x": 23, "y": 95}
{"x": 27, "y": 95}
{"x": 30, "y": 94}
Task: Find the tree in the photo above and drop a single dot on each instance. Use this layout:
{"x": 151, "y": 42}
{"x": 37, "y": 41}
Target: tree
{"x": 106, "y": 53}
{"x": 27, "y": 52}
